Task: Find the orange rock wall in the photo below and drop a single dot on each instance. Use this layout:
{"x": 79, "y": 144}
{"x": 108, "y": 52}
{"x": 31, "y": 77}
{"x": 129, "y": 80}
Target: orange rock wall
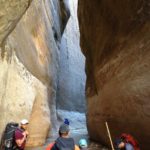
{"x": 115, "y": 38}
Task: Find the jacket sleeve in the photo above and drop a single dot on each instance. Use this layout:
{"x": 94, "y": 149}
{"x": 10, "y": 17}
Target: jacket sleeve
{"x": 129, "y": 147}
{"x": 49, "y": 147}
{"x": 77, "y": 148}
{"x": 54, "y": 147}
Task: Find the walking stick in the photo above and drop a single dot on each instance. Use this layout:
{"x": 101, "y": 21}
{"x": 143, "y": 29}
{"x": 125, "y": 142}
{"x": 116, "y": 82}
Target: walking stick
{"x": 108, "y": 131}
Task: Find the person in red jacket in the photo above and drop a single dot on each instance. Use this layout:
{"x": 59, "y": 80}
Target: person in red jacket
{"x": 127, "y": 142}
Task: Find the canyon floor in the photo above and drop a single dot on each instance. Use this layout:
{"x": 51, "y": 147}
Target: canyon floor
{"x": 76, "y": 134}
{"x": 78, "y": 130}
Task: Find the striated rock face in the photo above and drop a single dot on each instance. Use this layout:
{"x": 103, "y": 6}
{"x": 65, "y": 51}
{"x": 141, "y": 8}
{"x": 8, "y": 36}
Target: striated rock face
{"x": 10, "y": 13}
{"x": 71, "y": 75}
{"x": 45, "y": 28}
{"x": 29, "y": 62}
{"x": 23, "y": 96}
{"x": 115, "y": 38}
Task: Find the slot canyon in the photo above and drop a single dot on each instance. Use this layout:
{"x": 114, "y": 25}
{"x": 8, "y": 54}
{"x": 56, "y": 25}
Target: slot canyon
{"x": 88, "y": 61}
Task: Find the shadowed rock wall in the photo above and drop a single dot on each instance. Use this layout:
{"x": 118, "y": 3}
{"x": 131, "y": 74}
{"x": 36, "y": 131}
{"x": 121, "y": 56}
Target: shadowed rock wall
{"x": 115, "y": 38}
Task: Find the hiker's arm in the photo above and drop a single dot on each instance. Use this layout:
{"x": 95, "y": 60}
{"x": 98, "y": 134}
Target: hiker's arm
{"x": 77, "y": 148}
{"x": 19, "y": 142}
{"x": 20, "y": 138}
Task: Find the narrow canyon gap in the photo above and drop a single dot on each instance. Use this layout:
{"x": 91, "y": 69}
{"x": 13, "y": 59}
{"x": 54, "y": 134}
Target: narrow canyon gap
{"x": 42, "y": 74}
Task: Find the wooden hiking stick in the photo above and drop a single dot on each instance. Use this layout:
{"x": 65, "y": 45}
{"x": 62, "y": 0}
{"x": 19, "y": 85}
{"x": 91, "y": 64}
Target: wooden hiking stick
{"x": 108, "y": 131}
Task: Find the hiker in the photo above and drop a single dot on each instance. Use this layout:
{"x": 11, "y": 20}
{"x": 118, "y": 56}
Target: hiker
{"x": 64, "y": 142}
{"x": 126, "y": 142}
{"x": 83, "y": 144}
{"x": 120, "y": 144}
{"x": 21, "y": 134}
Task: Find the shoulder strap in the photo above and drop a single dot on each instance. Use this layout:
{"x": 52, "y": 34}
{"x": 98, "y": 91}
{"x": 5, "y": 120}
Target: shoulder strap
{"x": 54, "y": 147}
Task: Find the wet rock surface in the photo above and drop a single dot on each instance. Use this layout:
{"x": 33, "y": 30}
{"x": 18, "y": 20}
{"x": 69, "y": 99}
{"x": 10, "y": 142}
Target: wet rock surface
{"x": 115, "y": 38}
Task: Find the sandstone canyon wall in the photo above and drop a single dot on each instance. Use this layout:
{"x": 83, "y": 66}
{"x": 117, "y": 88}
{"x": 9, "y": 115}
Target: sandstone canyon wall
{"x": 71, "y": 74}
{"x": 115, "y": 38}
{"x": 29, "y": 41}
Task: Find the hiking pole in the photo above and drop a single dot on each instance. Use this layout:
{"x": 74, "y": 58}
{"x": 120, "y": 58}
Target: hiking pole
{"x": 108, "y": 131}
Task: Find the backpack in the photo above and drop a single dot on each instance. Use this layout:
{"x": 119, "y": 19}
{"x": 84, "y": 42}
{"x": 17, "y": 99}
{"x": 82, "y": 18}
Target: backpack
{"x": 130, "y": 139}
{"x": 7, "y": 140}
{"x": 63, "y": 144}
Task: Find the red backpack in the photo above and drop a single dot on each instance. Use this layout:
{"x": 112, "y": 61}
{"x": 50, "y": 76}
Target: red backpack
{"x": 130, "y": 139}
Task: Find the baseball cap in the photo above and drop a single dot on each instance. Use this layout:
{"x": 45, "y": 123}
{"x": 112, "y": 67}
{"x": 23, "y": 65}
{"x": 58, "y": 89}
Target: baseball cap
{"x": 83, "y": 143}
{"x": 24, "y": 121}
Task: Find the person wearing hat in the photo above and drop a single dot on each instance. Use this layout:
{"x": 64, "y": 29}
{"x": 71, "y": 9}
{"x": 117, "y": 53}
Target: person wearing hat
{"x": 64, "y": 141}
{"x": 21, "y": 134}
{"x": 83, "y": 144}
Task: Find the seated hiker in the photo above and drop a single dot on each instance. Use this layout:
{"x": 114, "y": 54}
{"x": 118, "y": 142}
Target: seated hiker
{"x": 21, "y": 134}
{"x": 120, "y": 144}
{"x": 64, "y": 142}
{"x": 83, "y": 144}
{"x": 126, "y": 142}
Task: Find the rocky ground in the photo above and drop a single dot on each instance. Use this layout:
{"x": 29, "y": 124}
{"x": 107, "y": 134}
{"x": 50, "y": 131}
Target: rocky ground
{"x": 78, "y": 134}
{"x": 78, "y": 130}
